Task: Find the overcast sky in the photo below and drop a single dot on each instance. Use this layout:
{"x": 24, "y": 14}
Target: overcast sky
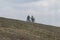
{"x": 44, "y": 11}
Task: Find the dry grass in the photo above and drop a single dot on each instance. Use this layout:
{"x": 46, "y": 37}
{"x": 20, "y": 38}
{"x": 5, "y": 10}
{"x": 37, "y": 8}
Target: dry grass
{"x": 20, "y": 30}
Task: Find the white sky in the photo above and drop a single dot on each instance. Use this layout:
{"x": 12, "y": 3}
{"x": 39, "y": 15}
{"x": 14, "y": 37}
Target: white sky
{"x": 44, "y": 11}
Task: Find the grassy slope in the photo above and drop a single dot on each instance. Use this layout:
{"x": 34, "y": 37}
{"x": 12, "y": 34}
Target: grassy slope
{"x": 20, "y": 30}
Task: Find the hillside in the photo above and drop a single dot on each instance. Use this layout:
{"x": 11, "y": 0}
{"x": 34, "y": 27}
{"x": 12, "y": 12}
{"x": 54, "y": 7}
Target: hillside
{"x": 11, "y": 29}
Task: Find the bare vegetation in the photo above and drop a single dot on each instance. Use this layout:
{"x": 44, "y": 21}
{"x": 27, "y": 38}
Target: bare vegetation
{"x": 19, "y": 30}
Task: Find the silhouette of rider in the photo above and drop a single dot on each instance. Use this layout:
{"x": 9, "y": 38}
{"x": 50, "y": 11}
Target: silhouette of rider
{"x": 28, "y": 18}
{"x": 32, "y": 19}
